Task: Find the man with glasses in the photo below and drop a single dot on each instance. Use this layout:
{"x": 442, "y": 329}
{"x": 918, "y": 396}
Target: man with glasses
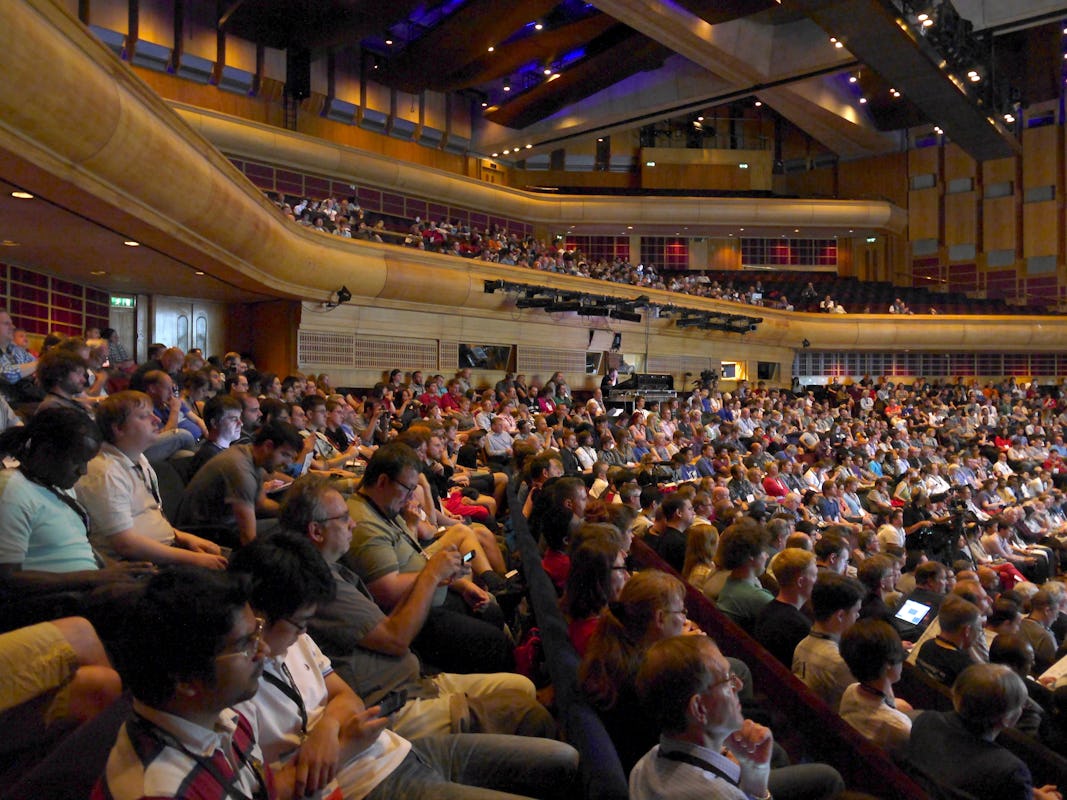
{"x": 184, "y": 739}
{"x": 689, "y": 688}
{"x": 316, "y": 732}
{"x": 371, "y": 651}
{"x": 462, "y": 628}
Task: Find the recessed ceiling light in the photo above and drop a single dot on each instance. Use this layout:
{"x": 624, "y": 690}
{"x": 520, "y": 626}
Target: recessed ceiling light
{"x": 22, "y": 195}
{"x": 838, "y": 45}
{"x": 199, "y": 272}
{"x": 863, "y": 101}
{"x": 9, "y": 243}
{"x": 600, "y": 138}
{"x": 758, "y": 104}
{"x": 98, "y": 272}
{"x": 131, "y": 243}
{"x": 507, "y": 87}
{"x": 852, "y": 79}
{"x": 506, "y": 152}
{"x": 538, "y": 26}
{"x": 389, "y": 42}
{"x": 485, "y": 105}
{"x": 629, "y": 227}
{"x": 491, "y": 48}
{"x": 548, "y": 70}
{"x": 529, "y": 147}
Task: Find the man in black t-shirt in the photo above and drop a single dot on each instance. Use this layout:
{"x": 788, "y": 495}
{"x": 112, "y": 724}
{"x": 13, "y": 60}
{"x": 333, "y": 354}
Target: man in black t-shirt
{"x": 944, "y": 657}
{"x": 781, "y": 623}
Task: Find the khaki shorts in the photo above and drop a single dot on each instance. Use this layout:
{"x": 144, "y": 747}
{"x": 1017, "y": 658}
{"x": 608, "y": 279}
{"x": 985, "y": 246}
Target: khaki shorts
{"x": 35, "y": 661}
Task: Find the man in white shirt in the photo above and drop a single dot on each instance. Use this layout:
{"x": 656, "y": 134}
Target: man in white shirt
{"x": 318, "y": 736}
{"x": 688, "y": 685}
{"x": 121, "y": 494}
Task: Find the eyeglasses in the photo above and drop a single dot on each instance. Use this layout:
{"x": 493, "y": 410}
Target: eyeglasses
{"x": 345, "y": 516}
{"x": 300, "y": 625}
{"x": 407, "y": 489}
{"x": 249, "y": 645}
{"x": 731, "y": 678}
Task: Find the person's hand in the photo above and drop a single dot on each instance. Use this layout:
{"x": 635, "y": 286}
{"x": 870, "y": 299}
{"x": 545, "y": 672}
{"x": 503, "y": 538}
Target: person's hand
{"x": 362, "y": 729}
{"x": 1046, "y": 792}
{"x": 316, "y": 760}
{"x": 446, "y": 564}
{"x": 690, "y": 628}
{"x": 209, "y": 561}
{"x": 752, "y": 744}
{"x": 196, "y": 544}
{"x": 126, "y": 571}
{"x": 473, "y": 595}
{"x": 175, "y": 405}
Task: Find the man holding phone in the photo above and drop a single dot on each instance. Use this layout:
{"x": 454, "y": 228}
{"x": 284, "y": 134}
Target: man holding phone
{"x": 317, "y": 735}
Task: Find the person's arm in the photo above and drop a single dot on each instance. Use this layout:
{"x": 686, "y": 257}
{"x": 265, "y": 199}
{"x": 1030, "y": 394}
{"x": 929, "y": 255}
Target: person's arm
{"x": 346, "y": 728}
{"x": 17, "y": 582}
{"x": 174, "y": 416}
{"x": 394, "y": 634}
{"x": 245, "y": 516}
{"x": 133, "y": 546}
{"x": 752, "y": 746}
{"x": 195, "y": 418}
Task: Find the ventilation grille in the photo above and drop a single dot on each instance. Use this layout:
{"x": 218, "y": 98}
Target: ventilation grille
{"x": 326, "y": 349}
{"x": 546, "y": 360}
{"x": 448, "y": 355}
{"x": 348, "y": 351}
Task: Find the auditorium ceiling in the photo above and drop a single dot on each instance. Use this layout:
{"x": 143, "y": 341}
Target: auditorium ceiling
{"x": 547, "y": 72}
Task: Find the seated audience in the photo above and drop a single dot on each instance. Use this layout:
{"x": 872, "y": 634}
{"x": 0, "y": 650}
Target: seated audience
{"x": 461, "y": 632}
{"x": 121, "y": 494}
{"x": 835, "y": 601}
{"x": 874, "y": 654}
{"x": 742, "y": 553}
{"x": 44, "y": 548}
{"x": 781, "y": 624}
{"x": 185, "y": 680}
{"x": 946, "y": 656}
{"x": 706, "y": 748}
{"x": 597, "y": 575}
{"x": 371, "y": 650}
{"x": 315, "y": 731}
{"x": 228, "y": 489}
{"x": 958, "y": 748}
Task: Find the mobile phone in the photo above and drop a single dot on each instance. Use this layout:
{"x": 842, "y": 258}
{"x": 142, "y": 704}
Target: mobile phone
{"x": 392, "y": 702}
{"x": 511, "y": 573}
{"x": 468, "y": 556}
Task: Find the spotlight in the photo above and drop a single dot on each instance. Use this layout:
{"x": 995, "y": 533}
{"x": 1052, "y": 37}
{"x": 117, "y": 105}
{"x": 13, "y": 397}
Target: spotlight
{"x": 343, "y": 295}
{"x": 805, "y": 344}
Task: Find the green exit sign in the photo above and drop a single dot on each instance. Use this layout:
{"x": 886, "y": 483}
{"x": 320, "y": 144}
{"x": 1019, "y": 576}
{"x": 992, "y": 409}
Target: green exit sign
{"x": 123, "y": 302}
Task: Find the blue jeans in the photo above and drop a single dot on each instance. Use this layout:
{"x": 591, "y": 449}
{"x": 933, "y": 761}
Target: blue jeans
{"x": 478, "y": 766}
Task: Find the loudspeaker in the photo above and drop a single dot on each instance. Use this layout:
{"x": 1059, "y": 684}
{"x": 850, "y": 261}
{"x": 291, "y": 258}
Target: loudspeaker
{"x": 298, "y": 72}
{"x": 616, "y": 341}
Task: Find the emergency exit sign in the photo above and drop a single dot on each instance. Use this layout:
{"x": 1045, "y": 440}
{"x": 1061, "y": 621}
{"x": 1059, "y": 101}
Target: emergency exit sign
{"x": 123, "y": 302}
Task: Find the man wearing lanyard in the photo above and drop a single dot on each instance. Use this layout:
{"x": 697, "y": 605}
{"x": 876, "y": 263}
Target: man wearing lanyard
{"x": 184, "y": 739}
{"x": 121, "y": 494}
{"x": 689, "y": 686}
